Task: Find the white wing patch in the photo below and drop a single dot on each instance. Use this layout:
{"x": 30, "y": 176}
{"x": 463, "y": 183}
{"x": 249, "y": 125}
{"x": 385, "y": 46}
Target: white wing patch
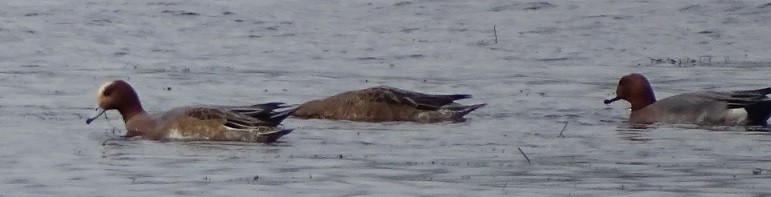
{"x": 175, "y": 134}
{"x": 738, "y": 115}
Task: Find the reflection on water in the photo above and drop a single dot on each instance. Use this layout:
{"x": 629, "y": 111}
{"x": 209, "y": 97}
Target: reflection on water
{"x": 635, "y": 132}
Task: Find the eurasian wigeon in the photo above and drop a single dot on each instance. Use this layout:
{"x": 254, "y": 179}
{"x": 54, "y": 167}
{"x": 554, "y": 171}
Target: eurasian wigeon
{"x": 383, "y": 103}
{"x": 256, "y": 123}
{"x": 747, "y": 107}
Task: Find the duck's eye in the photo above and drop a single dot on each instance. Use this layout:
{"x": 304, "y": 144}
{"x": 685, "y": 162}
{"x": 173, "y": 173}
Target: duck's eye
{"x": 107, "y": 91}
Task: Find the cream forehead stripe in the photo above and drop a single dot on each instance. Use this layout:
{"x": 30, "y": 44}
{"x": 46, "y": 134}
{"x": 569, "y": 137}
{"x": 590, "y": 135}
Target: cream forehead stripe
{"x": 101, "y": 88}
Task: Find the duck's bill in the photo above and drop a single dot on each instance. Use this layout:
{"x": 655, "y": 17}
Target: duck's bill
{"x": 608, "y": 101}
{"x": 97, "y": 112}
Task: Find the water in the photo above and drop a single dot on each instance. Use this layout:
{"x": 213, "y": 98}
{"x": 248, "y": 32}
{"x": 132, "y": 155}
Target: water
{"x": 553, "y": 63}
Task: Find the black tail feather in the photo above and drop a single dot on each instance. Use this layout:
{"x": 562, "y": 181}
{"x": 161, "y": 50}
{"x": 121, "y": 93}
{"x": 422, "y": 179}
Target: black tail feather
{"x": 752, "y": 93}
{"x": 258, "y": 109}
{"x": 273, "y": 136}
{"x": 269, "y": 106}
{"x": 764, "y": 91}
{"x": 432, "y": 102}
{"x": 264, "y": 111}
{"x": 758, "y": 113}
{"x": 458, "y": 96}
{"x": 468, "y": 109}
{"x": 277, "y": 117}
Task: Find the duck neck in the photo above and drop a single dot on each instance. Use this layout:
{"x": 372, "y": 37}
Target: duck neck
{"x": 133, "y": 113}
{"x": 129, "y": 113}
{"x": 643, "y": 100}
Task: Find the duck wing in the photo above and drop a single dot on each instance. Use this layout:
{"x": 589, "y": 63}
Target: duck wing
{"x": 734, "y": 99}
{"x": 259, "y": 115}
{"x": 416, "y": 99}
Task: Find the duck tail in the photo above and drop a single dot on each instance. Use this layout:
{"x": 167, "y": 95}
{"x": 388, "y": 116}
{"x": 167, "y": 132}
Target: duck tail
{"x": 270, "y": 106}
{"x": 758, "y": 113}
{"x": 463, "y": 110}
{"x": 753, "y": 93}
{"x": 765, "y": 91}
{"x": 276, "y": 118}
{"x": 458, "y": 96}
{"x": 271, "y": 137}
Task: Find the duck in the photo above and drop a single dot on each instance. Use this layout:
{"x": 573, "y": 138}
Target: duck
{"x": 259, "y": 123}
{"x": 709, "y": 108}
{"x": 387, "y": 104}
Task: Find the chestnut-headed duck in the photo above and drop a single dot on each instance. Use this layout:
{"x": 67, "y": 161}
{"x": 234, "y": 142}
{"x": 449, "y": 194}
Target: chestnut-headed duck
{"x": 736, "y": 108}
{"x": 383, "y": 103}
{"x": 255, "y": 123}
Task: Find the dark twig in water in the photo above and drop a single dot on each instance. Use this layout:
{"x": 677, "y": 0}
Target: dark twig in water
{"x": 495, "y": 33}
{"x": 523, "y": 154}
{"x": 563, "y": 130}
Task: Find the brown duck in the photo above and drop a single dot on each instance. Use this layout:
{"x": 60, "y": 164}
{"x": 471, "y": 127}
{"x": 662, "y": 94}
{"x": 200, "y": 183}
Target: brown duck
{"x": 383, "y": 103}
{"x": 255, "y": 123}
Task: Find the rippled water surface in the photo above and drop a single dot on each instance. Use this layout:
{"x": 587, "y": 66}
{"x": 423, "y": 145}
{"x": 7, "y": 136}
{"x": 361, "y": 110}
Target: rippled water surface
{"x": 543, "y": 67}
